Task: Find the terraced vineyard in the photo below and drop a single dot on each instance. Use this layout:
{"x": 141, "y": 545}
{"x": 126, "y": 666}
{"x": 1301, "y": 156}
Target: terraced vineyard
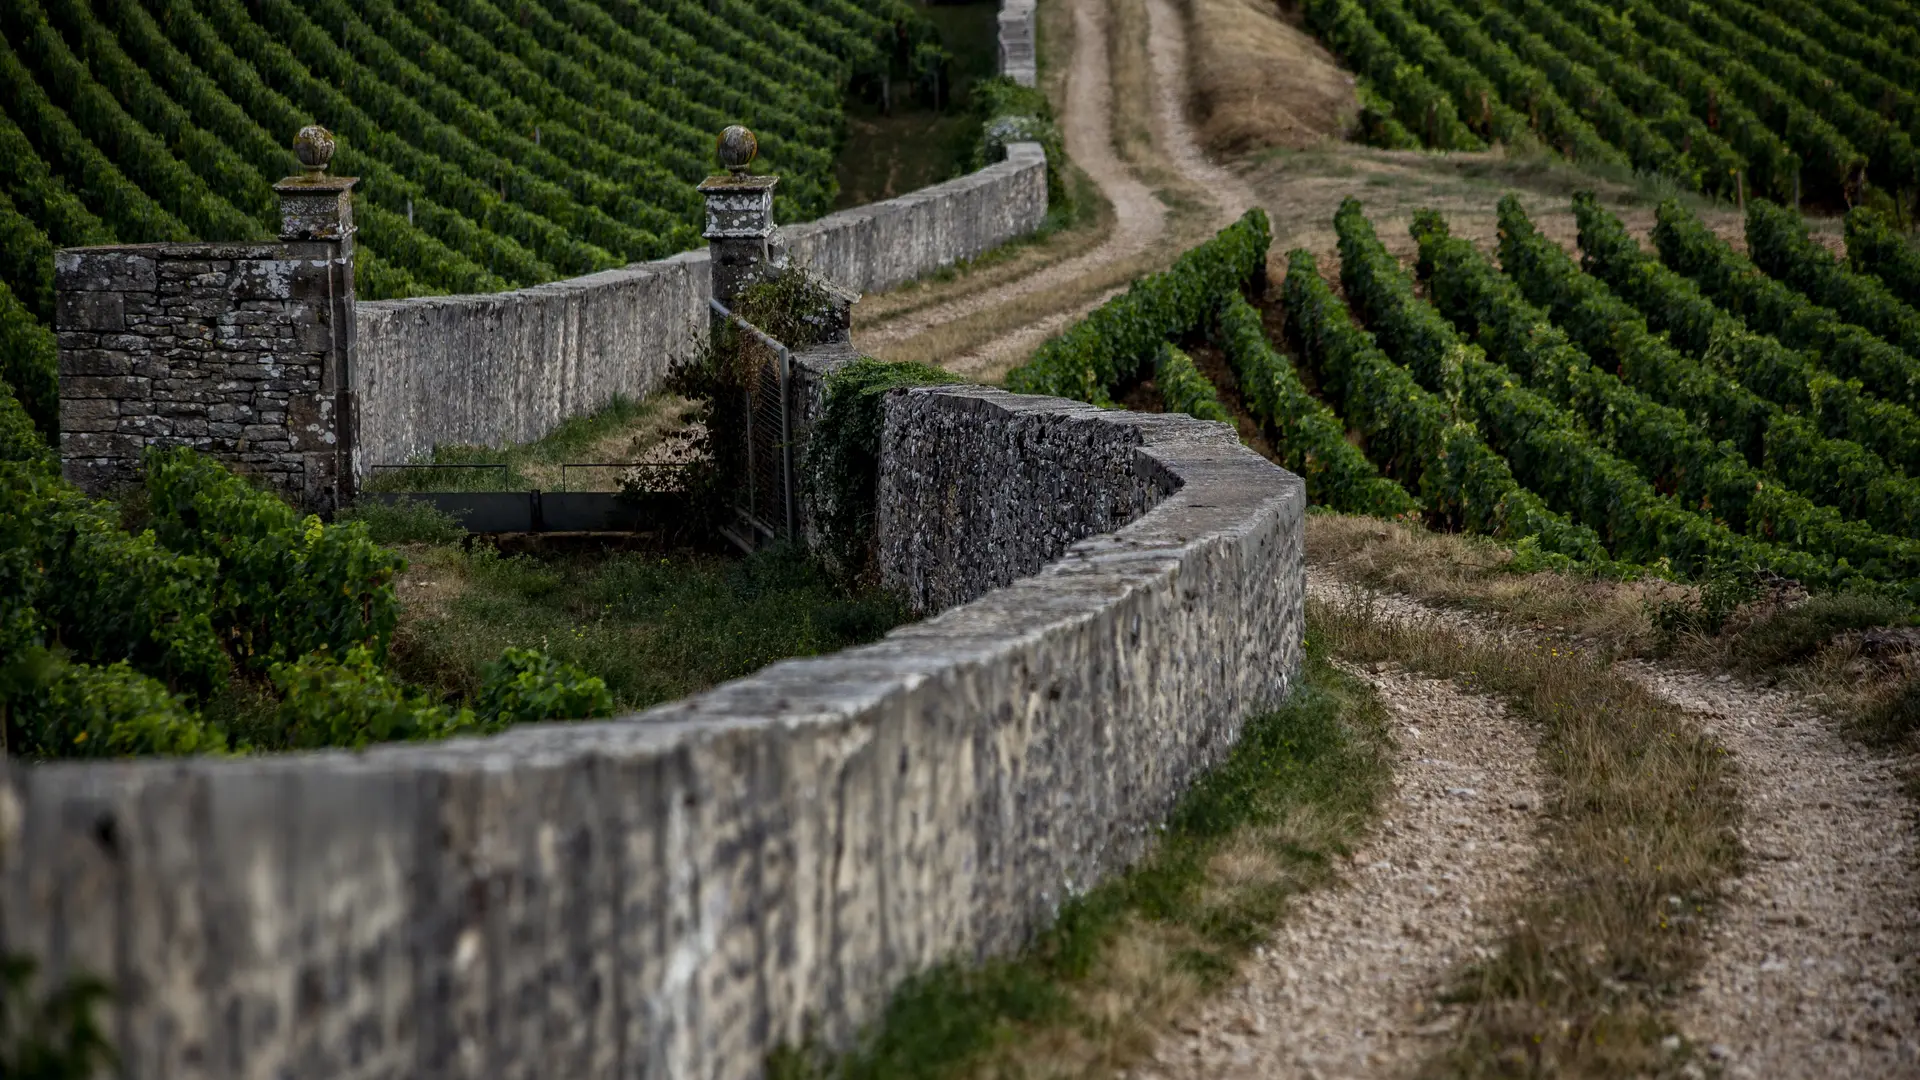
{"x": 1790, "y": 98}
{"x": 497, "y": 144}
{"x": 1690, "y": 413}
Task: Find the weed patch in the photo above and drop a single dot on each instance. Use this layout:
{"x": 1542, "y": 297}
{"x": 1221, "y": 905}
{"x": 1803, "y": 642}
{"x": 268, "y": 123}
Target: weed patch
{"x": 654, "y": 627}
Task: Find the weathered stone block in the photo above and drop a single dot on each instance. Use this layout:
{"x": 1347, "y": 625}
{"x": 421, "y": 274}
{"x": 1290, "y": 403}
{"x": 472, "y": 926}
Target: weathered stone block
{"x": 100, "y": 444}
{"x": 89, "y": 414}
{"x": 124, "y": 387}
{"x": 97, "y": 312}
{"x": 105, "y": 270}
{"x": 95, "y": 362}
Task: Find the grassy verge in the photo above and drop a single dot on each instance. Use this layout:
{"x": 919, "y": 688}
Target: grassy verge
{"x": 1640, "y": 841}
{"x": 1091, "y": 994}
{"x": 655, "y": 626}
{"x": 622, "y": 431}
{"x": 1842, "y": 649}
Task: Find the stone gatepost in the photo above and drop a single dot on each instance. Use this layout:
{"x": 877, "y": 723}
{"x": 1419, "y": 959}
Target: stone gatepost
{"x": 243, "y": 351}
{"x": 739, "y": 217}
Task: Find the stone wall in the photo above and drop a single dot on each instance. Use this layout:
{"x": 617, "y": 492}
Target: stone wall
{"x": 1019, "y": 56}
{"x": 671, "y": 894}
{"x": 509, "y": 367}
{"x": 239, "y": 350}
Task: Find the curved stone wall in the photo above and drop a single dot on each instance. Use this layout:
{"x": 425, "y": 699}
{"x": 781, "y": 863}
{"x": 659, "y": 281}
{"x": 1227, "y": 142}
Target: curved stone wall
{"x": 672, "y": 893}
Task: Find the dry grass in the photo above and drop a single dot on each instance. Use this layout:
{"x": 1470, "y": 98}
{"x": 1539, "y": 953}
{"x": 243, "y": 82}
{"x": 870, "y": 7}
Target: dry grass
{"x": 1641, "y": 841}
{"x": 1476, "y": 574}
{"x": 1813, "y": 644}
{"x": 1264, "y": 82}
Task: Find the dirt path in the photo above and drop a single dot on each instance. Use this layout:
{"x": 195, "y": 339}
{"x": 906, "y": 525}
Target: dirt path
{"x": 1140, "y": 217}
{"x": 1086, "y": 126}
{"x": 1815, "y": 962}
{"x": 1346, "y": 987}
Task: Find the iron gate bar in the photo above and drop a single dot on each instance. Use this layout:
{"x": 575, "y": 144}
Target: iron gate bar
{"x": 782, "y": 369}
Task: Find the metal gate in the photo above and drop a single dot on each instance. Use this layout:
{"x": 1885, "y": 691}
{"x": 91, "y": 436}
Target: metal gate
{"x": 765, "y": 502}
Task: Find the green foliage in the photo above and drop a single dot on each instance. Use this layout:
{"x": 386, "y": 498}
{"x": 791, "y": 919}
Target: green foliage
{"x": 1674, "y": 305}
{"x": 1874, "y": 247}
{"x": 1772, "y": 307}
{"x": 1419, "y": 105}
{"x": 1526, "y": 89}
{"x": 287, "y": 585}
{"x": 1771, "y": 165}
{"x": 1183, "y": 389}
{"x": 351, "y": 702}
{"x": 1544, "y": 444}
{"x": 1009, "y": 112}
{"x": 1306, "y": 435}
{"x": 527, "y": 685}
{"x": 1667, "y": 445}
{"x": 62, "y": 710}
{"x": 843, "y": 455}
{"x": 1777, "y": 239}
{"x": 794, "y": 308}
{"x": 19, "y": 441}
{"x": 1112, "y": 343}
{"x": 1414, "y": 436}
{"x": 99, "y": 592}
{"x": 407, "y": 521}
{"x": 1476, "y": 99}
{"x": 1709, "y": 157}
{"x": 53, "y": 1037}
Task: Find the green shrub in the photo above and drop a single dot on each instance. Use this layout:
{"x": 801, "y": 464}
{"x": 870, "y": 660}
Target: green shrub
{"x": 288, "y": 585}
{"x": 1007, "y": 113}
{"x": 114, "y": 711}
{"x": 101, "y": 593}
{"x": 350, "y": 702}
{"x": 527, "y": 685}
{"x": 1111, "y": 344}
{"x": 1874, "y": 247}
{"x": 1183, "y": 389}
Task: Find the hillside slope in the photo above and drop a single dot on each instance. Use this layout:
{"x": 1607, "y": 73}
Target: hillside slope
{"x": 497, "y": 144}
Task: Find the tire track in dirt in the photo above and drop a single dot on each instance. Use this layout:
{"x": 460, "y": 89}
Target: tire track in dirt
{"x": 1140, "y": 218}
{"x": 1812, "y": 964}
{"x": 1346, "y": 988}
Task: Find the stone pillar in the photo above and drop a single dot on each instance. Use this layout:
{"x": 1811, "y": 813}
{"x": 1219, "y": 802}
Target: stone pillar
{"x": 243, "y": 351}
{"x": 316, "y": 212}
{"x": 739, "y": 217}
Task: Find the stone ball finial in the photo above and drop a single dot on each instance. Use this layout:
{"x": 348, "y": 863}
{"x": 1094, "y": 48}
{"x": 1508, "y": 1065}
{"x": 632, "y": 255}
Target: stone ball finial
{"x": 314, "y": 147}
{"x": 737, "y": 148}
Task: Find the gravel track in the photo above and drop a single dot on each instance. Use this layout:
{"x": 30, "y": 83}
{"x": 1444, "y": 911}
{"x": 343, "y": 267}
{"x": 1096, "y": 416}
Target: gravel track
{"x": 1346, "y": 987}
{"x": 1140, "y": 218}
{"x": 1815, "y": 960}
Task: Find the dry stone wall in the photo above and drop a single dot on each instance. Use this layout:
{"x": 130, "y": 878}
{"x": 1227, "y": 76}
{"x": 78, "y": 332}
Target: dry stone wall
{"x": 673, "y": 893}
{"x": 509, "y": 367}
{"x": 238, "y": 350}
